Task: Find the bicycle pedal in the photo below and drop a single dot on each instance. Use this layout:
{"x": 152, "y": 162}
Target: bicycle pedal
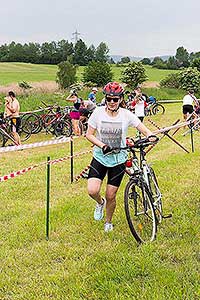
{"x": 167, "y": 216}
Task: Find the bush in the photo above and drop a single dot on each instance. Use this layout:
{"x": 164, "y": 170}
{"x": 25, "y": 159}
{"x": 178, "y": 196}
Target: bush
{"x": 97, "y": 72}
{"x": 171, "y": 81}
{"x": 134, "y": 74}
{"x": 185, "y": 80}
{"x": 66, "y": 74}
{"x": 190, "y": 79}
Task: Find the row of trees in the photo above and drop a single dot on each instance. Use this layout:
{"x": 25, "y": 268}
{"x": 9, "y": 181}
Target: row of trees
{"x": 182, "y": 59}
{"x": 54, "y": 52}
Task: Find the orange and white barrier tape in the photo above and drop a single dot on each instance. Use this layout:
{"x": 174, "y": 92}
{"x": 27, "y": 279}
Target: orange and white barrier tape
{"x": 23, "y": 171}
{"x": 81, "y": 175}
{"x": 35, "y": 145}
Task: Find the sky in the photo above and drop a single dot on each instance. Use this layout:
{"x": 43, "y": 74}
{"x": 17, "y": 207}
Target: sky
{"x": 141, "y": 28}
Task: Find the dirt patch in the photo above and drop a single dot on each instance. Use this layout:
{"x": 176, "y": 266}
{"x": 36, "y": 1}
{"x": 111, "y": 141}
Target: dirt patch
{"x": 37, "y": 87}
{"x": 151, "y": 84}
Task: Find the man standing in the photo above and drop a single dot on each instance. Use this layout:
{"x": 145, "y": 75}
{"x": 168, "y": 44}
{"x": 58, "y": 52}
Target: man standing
{"x": 12, "y": 109}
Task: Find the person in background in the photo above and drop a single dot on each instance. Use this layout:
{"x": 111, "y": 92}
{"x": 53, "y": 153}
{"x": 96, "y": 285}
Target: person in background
{"x": 107, "y": 129}
{"x": 189, "y": 101}
{"x": 92, "y": 95}
{"x": 75, "y": 113}
{"x": 138, "y": 104}
{"x": 12, "y": 109}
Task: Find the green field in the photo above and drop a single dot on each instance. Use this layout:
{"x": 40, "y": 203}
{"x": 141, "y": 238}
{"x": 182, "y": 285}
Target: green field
{"x": 80, "y": 261}
{"x": 16, "y": 72}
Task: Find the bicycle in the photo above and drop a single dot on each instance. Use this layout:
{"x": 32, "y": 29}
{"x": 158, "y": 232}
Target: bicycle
{"x": 154, "y": 108}
{"x": 142, "y": 196}
{"x": 6, "y": 134}
{"x": 55, "y": 122}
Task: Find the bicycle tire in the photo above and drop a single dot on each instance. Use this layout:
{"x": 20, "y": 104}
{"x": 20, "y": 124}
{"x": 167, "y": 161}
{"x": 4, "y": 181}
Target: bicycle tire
{"x": 63, "y": 128}
{"x": 156, "y": 195}
{"x": 2, "y": 140}
{"x": 25, "y": 134}
{"x": 158, "y": 109}
{"x": 139, "y": 211}
{"x": 34, "y": 121}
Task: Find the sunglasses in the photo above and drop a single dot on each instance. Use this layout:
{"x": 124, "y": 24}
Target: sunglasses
{"x": 108, "y": 99}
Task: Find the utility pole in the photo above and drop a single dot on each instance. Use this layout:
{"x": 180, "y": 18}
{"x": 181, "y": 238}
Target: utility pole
{"x": 75, "y": 36}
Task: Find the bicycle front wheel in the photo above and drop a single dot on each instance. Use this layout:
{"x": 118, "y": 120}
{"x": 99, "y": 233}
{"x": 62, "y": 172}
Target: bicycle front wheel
{"x": 156, "y": 194}
{"x": 140, "y": 212}
{"x": 158, "y": 109}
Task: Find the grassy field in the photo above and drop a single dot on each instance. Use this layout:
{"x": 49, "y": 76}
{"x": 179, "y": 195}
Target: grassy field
{"x": 80, "y": 261}
{"x": 16, "y": 72}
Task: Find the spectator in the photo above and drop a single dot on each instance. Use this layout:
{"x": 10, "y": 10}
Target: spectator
{"x": 12, "y": 109}
{"x": 188, "y": 101}
{"x": 75, "y": 113}
{"x": 92, "y": 95}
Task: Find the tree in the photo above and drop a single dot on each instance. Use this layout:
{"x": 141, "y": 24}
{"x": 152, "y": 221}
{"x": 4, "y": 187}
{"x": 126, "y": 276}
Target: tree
{"x": 125, "y": 60}
{"x": 66, "y": 74}
{"x": 32, "y": 53}
{"x": 102, "y": 53}
{"x": 4, "y": 52}
{"x": 172, "y": 63}
{"x": 64, "y": 50}
{"x": 146, "y": 61}
{"x": 91, "y": 53}
{"x": 182, "y": 57}
{"x": 80, "y": 53}
{"x": 97, "y": 72}
{"x": 134, "y": 74}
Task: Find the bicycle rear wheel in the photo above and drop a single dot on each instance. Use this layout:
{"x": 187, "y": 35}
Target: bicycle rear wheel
{"x": 140, "y": 212}
{"x": 63, "y": 128}
{"x": 158, "y": 109}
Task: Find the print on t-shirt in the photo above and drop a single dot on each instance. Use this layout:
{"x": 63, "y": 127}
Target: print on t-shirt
{"x": 111, "y": 133}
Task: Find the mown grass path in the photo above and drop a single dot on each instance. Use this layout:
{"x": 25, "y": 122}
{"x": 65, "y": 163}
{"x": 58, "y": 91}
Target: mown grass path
{"x": 80, "y": 261}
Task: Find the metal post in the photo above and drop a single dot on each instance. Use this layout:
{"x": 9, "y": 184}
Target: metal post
{"x": 191, "y": 135}
{"x": 48, "y": 199}
{"x": 72, "y": 160}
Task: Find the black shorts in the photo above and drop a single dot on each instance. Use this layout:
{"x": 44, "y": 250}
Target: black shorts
{"x": 115, "y": 174}
{"x": 15, "y": 124}
{"x": 187, "y": 109}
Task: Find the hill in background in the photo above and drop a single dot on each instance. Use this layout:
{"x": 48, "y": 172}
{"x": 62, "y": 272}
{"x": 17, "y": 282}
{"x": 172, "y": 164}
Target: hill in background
{"x": 117, "y": 58}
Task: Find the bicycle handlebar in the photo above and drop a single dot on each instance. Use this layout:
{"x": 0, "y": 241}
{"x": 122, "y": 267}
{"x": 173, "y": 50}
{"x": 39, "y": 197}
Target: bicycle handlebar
{"x": 141, "y": 143}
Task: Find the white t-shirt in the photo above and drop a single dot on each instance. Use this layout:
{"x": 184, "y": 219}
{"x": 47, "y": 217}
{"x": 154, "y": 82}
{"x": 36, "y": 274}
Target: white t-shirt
{"x": 139, "y": 109}
{"x": 112, "y": 131}
{"x": 188, "y": 100}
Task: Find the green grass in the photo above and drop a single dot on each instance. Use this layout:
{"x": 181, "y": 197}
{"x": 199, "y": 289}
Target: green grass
{"x": 16, "y": 72}
{"x": 80, "y": 261}
{"x": 157, "y": 74}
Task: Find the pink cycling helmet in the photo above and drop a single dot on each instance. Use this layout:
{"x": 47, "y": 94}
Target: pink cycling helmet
{"x": 113, "y": 89}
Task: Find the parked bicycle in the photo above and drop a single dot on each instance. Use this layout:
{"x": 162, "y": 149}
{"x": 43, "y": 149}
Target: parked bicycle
{"x": 154, "y": 108}
{"x": 52, "y": 120}
{"x": 6, "y": 134}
